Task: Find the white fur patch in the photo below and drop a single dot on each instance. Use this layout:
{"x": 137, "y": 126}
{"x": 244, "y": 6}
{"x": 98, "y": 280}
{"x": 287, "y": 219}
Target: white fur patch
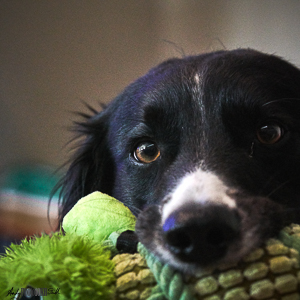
{"x": 197, "y": 79}
{"x": 201, "y": 187}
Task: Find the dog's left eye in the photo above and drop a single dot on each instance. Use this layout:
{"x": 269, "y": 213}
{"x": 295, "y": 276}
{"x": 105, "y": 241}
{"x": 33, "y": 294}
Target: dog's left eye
{"x": 270, "y": 133}
{"x": 146, "y": 152}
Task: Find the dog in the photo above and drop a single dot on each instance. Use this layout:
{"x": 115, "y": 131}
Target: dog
{"x": 204, "y": 150}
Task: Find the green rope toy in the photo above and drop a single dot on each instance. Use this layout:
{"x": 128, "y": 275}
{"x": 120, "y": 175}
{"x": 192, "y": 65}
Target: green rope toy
{"x": 79, "y": 265}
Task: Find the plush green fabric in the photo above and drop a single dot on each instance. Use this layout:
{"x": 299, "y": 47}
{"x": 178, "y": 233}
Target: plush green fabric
{"x": 98, "y": 215}
{"x": 74, "y": 267}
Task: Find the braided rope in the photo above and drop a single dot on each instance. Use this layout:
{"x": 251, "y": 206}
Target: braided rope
{"x": 170, "y": 282}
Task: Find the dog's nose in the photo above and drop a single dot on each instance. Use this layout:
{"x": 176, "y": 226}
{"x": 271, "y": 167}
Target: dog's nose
{"x": 201, "y": 235}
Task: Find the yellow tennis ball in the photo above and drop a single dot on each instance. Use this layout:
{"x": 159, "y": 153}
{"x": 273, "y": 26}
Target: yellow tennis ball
{"x": 98, "y": 215}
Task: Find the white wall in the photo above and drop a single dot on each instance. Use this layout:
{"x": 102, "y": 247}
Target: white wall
{"x": 271, "y": 26}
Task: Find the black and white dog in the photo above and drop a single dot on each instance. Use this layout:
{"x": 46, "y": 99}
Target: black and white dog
{"x": 205, "y": 150}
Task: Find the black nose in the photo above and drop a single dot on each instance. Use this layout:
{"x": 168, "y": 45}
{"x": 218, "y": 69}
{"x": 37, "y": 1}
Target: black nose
{"x": 201, "y": 235}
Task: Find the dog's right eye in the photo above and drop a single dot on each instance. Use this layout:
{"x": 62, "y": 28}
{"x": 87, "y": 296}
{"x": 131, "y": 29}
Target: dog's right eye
{"x": 146, "y": 152}
{"x": 270, "y": 133}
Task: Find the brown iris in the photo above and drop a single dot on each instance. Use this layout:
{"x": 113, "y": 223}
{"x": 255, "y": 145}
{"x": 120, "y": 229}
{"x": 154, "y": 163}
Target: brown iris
{"x": 146, "y": 152}
{"x": 270, "y": 133}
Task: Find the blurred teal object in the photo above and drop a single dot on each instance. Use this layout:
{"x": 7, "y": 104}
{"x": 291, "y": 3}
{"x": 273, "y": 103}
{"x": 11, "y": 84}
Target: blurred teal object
{"x": 35, "y": 180}
{"x": 25, "y": 210}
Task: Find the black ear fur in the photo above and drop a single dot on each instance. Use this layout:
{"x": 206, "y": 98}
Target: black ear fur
{"x": 91, "y": 167}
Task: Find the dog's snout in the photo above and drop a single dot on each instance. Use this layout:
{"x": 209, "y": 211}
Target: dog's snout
{"x": 201, "y": 235}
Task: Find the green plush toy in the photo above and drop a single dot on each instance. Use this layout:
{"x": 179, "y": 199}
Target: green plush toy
{"x": 98, "y": 215}
{"x": 82, "y": 264}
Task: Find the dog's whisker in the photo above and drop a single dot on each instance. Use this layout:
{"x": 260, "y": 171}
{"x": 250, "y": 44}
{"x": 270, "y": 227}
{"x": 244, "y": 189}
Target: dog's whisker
{"x": 291, "y": 209}
{"x": 278, "y": 188}
{"x": 281, "y": 100}
{"x": 268, "y": 182}
{"x": 136, "y": 211}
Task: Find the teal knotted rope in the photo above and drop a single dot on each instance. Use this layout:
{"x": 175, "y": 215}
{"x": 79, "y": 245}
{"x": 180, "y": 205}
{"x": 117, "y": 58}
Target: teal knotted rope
{"x": 170, "y": 284}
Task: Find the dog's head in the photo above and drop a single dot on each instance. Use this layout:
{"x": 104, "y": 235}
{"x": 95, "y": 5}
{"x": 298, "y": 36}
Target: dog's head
{"x": 204, "y": 149}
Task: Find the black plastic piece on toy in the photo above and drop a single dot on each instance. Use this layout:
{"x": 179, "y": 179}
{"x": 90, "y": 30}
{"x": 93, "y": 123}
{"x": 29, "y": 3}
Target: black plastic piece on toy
{"x": 127, "y": 242}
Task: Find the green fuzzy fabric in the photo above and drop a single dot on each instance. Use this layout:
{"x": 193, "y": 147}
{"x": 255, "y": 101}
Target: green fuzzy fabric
{"x": 80, "y": 267}
{"x": 83, "y": 218}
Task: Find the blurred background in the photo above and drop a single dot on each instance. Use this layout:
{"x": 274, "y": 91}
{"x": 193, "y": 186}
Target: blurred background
{"x": 55, "y": 55}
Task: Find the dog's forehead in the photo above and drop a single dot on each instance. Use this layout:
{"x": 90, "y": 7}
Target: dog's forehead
{"x": 197, "y": 79}
{"x": 174, "y": 96}
{"x": 201, "y": 88}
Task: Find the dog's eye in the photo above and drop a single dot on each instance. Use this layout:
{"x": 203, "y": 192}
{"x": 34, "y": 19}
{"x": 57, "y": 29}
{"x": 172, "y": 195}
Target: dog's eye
{"x": 270, "y": 133}
{"x": 146, "y": 152}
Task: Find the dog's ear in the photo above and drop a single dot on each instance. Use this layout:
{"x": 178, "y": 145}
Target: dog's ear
{"x": 91, "y": 167}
